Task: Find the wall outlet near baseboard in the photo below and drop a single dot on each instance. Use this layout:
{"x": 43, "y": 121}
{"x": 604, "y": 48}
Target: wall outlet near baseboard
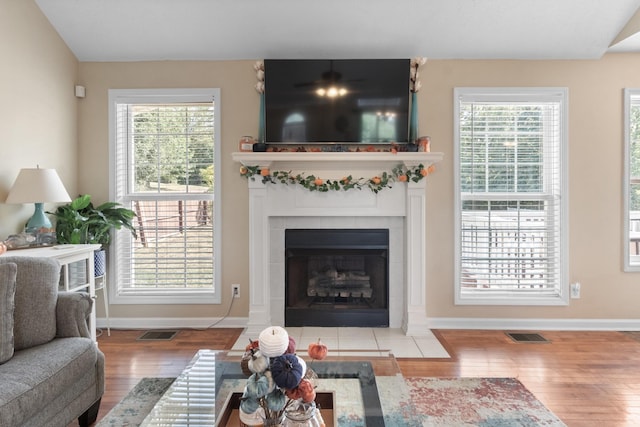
{"x": 235, "y": 290}
{"x": 575, "y": 290}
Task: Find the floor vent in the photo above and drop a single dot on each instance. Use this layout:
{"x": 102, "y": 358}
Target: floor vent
{"x": 527, "y": 338}
{"x": 157, "y": 336}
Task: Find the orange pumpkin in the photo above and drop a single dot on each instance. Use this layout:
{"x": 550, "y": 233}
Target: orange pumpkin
{"x": 317, "y": 350}
{"x": 307, "y": 391}
{"x": 252, "y": 345}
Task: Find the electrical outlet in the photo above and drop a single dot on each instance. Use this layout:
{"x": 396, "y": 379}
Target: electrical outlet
{"x": 575, "y": 290}
{"x": 235, "y": 290}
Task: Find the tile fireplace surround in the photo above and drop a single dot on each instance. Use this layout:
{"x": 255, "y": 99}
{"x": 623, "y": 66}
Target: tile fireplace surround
{"x": 276, "y": 207}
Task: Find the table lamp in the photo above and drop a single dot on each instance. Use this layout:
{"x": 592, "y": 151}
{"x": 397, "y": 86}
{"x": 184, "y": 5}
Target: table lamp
{"x": 38, "y": 186}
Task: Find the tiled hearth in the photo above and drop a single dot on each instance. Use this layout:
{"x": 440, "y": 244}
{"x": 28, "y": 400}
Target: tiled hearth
{"x": 359, "y": 342}
{"x": 275, "y": 207}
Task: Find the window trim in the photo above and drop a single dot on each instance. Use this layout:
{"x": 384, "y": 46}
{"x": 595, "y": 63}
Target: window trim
{"x": 561, "y": 296}
{"x": 119, "y": 96}
{"x": 628, "y": 267}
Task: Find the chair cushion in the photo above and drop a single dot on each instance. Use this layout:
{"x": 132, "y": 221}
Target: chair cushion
{"x": 36, "y": 296}
{"x": 7, "y": 298}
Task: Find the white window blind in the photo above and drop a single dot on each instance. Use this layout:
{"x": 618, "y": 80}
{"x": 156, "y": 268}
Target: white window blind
{"x": 164, "y": 157}
{"x": 510, "y": 206}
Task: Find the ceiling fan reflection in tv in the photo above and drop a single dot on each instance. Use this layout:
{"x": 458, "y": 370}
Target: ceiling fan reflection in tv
{"x": 348, "y": 101}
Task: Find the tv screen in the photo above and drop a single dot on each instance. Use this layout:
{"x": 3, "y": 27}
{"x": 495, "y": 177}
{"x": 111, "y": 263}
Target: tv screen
{"x": 336, "y": 101}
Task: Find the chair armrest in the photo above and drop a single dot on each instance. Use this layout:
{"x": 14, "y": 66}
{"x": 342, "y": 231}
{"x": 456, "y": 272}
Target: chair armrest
{"x": 72, "y": 314}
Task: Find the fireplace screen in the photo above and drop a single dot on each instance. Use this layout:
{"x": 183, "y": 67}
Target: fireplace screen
{"x": 337, "y": 277}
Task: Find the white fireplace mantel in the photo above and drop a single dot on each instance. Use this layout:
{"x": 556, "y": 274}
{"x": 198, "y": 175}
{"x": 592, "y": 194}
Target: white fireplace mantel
{"x": 336, "y": 160}
{"x": 269, "y": 201}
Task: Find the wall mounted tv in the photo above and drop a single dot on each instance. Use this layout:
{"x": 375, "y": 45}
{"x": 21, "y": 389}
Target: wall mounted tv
{"x": 346, "y": 101}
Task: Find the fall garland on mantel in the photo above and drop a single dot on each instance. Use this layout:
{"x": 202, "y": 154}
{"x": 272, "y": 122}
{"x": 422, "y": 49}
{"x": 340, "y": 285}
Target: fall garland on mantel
{"x": 400, "y": 173}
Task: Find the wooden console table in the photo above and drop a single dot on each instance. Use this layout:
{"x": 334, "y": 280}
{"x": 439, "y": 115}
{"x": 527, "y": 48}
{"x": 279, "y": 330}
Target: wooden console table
{"x": 77, "y": 272}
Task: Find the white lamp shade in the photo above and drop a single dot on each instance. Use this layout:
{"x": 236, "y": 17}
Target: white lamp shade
{"x": 38, "y": 186}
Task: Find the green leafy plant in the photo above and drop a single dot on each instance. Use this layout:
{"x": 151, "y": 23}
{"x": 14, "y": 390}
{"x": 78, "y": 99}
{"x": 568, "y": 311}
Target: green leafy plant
{"x": 80, "y": 222}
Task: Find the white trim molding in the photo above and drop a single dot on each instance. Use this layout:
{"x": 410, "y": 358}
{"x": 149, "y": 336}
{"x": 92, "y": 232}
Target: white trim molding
{"x": 535, "y": 324}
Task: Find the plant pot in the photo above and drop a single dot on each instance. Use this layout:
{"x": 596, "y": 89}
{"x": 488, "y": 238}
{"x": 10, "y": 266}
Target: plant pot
{"x": 100, "y": 263}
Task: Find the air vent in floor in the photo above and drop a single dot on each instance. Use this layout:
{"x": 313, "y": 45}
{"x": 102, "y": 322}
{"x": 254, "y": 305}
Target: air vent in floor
{"x": 527, "y": 338}
{"x": 158, "y": 336}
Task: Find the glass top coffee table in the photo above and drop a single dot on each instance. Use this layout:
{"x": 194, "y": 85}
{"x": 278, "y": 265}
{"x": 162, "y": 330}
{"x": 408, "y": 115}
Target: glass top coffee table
{"x": 200, "y": 396}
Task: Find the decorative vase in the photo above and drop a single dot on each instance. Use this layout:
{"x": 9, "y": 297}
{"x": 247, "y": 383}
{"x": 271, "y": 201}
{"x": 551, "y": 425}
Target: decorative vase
{"x": 413, "y": 118}
{"x": 261, "y": 126}
{"x": 301, "y": 414}
{"x": 273, "y": 422}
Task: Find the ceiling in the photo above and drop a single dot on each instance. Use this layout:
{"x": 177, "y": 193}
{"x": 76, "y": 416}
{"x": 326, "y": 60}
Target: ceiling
{"x": 143, "y": 30}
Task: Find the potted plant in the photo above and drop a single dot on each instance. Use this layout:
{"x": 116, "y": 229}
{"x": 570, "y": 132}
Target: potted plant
{"x": 80, "y": 222}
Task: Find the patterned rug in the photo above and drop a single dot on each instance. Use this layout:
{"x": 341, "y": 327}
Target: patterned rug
{"x": 135, "y": 406}
{"x": 486, "y": 402}
{"x": 405, "y": 402}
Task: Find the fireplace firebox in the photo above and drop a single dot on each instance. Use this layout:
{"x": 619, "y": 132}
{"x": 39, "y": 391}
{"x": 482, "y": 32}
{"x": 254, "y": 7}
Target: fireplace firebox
{"x": 337, "y": 277}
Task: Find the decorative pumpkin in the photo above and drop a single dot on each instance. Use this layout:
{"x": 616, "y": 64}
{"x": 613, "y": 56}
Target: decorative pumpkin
{"x": 257, "y": 386}
{"x": 272, "y": 384}
{"x": 307, "y": 391}
{"x": 293, "y": 394}
{"x": 276, "y": 400}
{"x": 253, "y": 344}
{"x": 291, "y": 349}
{"x": 303, "y": 364}
{"x": 274, "y": 341}
{"x": 258, "y": 362}
{"x": 317, "y": 350}
{"x": 286, "y": 371}
{"x": 248, "y": 405}
{"x": 244, "y": 365}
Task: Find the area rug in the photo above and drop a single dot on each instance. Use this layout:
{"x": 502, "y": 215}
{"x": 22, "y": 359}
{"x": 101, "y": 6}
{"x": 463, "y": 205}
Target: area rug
{"x": 136, "y": 405}
{"x": 486, "y": 402}
{"x": 405, "y": 402}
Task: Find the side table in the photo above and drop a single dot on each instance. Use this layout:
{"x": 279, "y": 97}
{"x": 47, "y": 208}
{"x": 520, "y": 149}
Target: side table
{"x": 77, "y": 272}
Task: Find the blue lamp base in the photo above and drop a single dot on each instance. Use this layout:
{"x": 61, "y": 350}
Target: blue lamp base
{"x": 38, "y": 220}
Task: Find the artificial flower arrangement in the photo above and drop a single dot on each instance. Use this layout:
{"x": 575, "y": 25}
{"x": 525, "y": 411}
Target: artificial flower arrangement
{"x": 314, "y": 183}
{"x": 279, "y": 381}
{"x": 414, "y": 78}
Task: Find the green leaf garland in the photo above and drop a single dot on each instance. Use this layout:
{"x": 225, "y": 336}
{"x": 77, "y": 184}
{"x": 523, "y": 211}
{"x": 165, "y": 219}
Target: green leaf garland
{"x": 313, "y": 183}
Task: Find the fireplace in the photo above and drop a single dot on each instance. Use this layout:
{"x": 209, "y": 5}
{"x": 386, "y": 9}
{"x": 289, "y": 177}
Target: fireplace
{"x": 337, "y": 277}
{"x": 275, "y": 208}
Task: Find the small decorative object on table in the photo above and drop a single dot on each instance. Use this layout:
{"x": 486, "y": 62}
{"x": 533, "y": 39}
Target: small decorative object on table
{"x": 281, "y": 387}
{"x": 424, "y": 144}
{"x": 246, "y": 144}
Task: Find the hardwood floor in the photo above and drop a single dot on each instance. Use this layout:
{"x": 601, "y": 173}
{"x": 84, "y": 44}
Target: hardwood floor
{"x": 585, "y": 378}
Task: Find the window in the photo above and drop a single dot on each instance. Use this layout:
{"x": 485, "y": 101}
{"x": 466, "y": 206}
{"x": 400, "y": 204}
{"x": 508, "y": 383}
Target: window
{"x": 164, "y": 152}
{"x": 510, "y": 155}
{"x": 632, "y": 180}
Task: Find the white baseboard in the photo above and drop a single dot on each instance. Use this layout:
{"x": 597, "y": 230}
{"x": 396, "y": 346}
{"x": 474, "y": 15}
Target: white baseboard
{"x": 171, "y": 323}
{"x": 536, "y": 324}
{"x": 434, "y": 323}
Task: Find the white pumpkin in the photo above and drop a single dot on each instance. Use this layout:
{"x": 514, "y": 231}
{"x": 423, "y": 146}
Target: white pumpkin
{"x": 258, "y": 362}
{"x": 274, "y": 341}
{"x": 303, "y": 364}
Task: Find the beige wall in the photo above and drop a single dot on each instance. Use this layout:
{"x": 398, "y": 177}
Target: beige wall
{"x": 595, "y": 180}
{"x": 37, "y": 104}
{"x": 239, "y": 116}
{"x": 595, "y": 164}
{"x": 44, "y": 124}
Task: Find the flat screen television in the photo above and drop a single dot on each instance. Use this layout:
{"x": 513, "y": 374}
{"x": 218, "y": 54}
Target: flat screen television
{"x": 346, "y": 101}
